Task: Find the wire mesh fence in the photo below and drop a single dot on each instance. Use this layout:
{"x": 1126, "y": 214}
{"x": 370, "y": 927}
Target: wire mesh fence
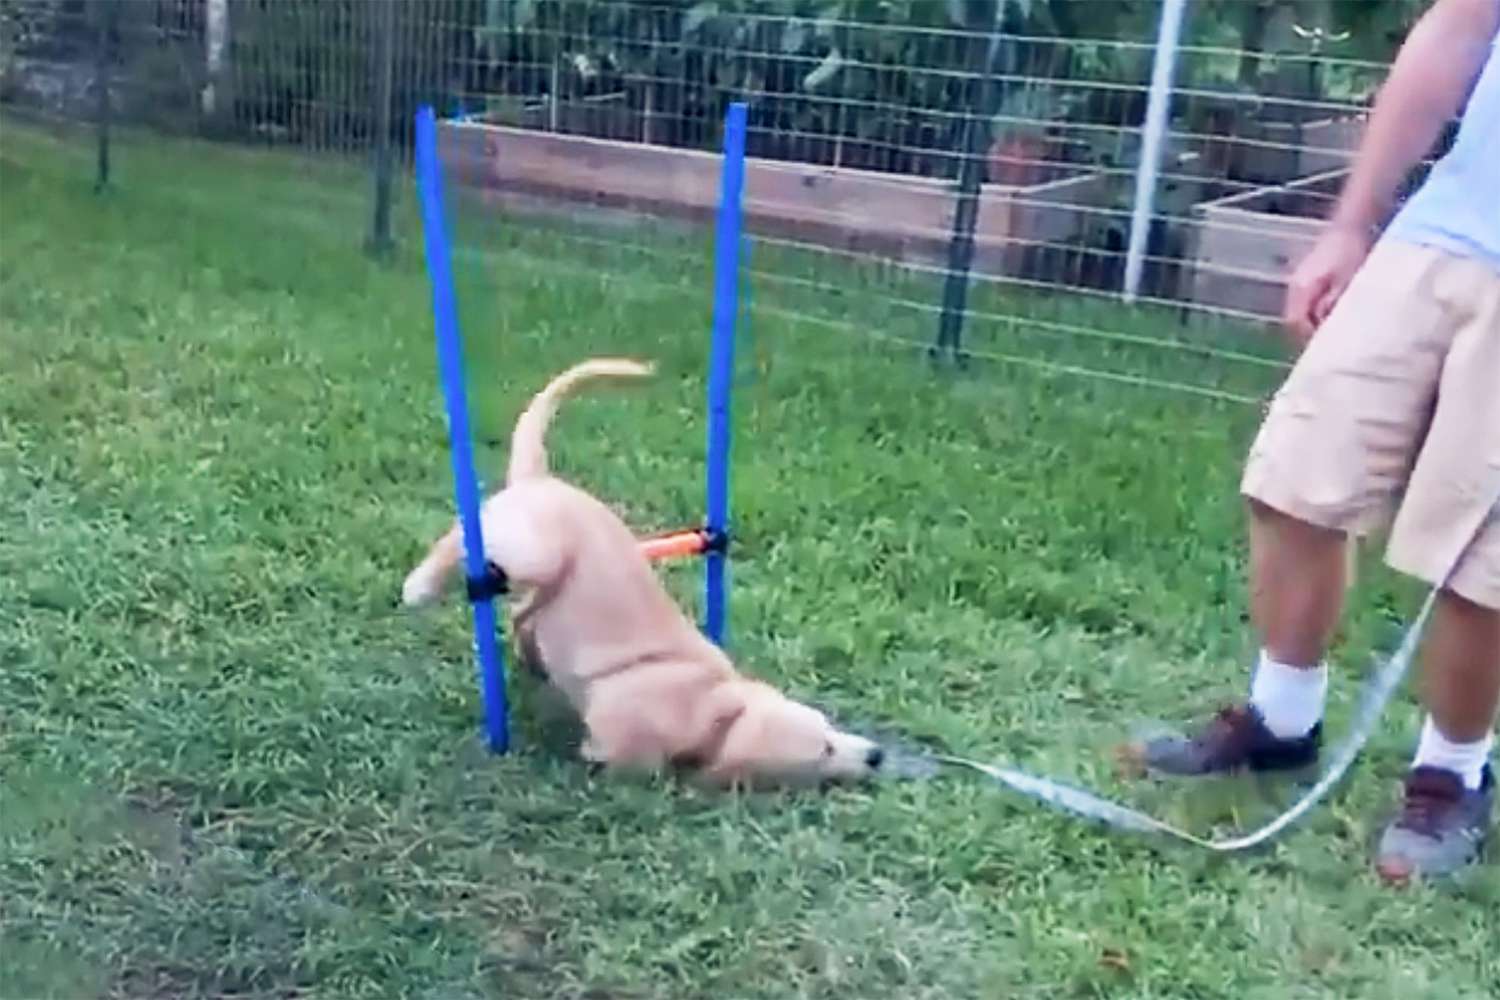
{"x": 952, "y": 175}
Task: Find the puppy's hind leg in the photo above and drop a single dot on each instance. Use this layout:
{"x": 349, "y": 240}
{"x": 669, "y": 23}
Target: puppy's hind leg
{"x": 515, "y": 539}
{"x": 436, "y": 570}
{"x": 619, "y": 739}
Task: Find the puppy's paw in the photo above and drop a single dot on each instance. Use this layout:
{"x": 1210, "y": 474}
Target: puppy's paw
{"x": 419, "y": 589}
{"x": 591, "y": 752}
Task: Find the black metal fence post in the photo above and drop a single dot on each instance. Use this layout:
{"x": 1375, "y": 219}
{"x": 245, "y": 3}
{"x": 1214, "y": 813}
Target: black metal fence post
{"x": 381, "y": 241}
{"x": 974, "y": 143}
{"x": 104, "y": 15}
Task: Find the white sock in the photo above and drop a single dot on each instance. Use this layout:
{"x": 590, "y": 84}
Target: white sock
{"x": 1289, "y": 699}
{"x": 1466, "y": 760}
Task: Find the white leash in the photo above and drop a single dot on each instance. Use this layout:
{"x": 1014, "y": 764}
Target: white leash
{"x": 1377, "y": 695}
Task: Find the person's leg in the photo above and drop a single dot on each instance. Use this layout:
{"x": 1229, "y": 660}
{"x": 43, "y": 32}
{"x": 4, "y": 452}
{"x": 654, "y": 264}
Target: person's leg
{"x": 1461, "y": 669}
{"x": 1449, "y": 792}
{"x": 1452, "y": 513}
{"x": 1297, "y": 584}
{"x": 1298, "y": 576}
{"x": 1336, "y": 446}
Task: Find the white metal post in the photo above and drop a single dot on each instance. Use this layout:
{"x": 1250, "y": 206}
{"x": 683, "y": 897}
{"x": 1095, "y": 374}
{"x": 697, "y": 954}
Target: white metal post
{"x": 216, "y": 36}
{"x": 1153, "y": 141}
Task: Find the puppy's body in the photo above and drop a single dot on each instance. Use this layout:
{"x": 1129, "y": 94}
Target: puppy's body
{"x": 651, "y": 690}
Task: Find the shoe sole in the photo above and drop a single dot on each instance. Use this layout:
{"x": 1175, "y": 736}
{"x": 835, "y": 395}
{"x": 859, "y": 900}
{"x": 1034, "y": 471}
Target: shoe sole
{"x": 1130, "y": 761}
{"x": 1400, "y": 872}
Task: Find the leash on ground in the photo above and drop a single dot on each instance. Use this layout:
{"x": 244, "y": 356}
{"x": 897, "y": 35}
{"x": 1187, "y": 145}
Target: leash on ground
{"x": 1376, "y": 696}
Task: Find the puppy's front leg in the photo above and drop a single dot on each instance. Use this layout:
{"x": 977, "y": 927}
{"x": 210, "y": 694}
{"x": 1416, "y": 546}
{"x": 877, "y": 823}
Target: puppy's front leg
{"x": 427, "y": 582}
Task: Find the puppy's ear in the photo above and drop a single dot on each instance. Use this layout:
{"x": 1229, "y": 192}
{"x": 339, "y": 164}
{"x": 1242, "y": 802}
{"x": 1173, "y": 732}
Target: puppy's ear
{"x": 729, "y": 732}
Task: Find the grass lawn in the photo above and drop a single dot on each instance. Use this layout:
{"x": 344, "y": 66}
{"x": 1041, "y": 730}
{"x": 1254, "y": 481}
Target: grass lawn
{"x": 228, "y": 767}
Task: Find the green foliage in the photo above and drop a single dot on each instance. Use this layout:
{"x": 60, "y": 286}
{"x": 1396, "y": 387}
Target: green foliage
{"x": 31, "y": 25}
{"x": 24, "y": 24}
{"x": 873, "y": 77}
{"x": 1375, "y": 27}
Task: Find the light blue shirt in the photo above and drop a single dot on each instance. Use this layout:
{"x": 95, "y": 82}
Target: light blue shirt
{"x": 1458, "y": 208}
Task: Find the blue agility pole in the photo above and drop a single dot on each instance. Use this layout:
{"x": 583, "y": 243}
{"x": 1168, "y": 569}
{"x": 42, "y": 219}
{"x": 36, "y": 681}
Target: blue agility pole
{"x": 721, "y": 368}
{"x": 460, "y": 449}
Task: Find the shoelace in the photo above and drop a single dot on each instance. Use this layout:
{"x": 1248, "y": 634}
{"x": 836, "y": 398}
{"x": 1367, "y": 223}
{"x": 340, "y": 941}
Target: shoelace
{"x": 1429, "y": 798}
{"x": 1230, "y": 733}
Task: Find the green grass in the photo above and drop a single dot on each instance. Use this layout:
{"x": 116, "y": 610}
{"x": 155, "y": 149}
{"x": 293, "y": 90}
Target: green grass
{"x": 229, "y": 768}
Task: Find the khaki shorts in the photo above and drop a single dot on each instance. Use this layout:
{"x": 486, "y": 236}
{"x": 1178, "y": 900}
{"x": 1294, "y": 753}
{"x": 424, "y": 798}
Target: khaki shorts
{"x": 1394, "y": 409}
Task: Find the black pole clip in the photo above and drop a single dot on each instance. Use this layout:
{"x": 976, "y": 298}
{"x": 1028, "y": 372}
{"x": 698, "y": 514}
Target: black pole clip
{"x": 491, "y": 585}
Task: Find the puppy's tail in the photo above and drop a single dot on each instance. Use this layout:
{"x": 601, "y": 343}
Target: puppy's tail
{"x": 528, "y": 450}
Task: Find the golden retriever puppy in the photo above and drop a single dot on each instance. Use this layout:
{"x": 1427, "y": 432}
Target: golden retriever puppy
{"x": 651, "y": 690}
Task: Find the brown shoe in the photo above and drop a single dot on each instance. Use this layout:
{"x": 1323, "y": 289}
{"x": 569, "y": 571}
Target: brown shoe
{"x": 1441, "y": 827}
{"x": 1236, "y": 739}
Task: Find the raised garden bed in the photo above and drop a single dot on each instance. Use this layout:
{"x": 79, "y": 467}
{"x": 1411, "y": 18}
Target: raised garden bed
{"x": 1272, "y": 152}
{"x": 892, "y": 216}
{"x": 1257, "y": 151}
{"x": 1247, "y": 244}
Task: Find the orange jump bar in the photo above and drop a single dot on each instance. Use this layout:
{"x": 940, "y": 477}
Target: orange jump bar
{"x": 675, "y": 545}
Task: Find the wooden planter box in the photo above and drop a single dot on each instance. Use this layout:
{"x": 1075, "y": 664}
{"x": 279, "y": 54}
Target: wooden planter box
{"x": 1247, "y": 244}
{"x": 1269, "y": 152}
{"x": 606, "y": 115}
{"x": 895, "y": 217}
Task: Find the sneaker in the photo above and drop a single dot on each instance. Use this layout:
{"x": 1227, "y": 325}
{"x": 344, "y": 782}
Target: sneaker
{"x": 1237, "y": 739}
{"x": 1441, "y": 828}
